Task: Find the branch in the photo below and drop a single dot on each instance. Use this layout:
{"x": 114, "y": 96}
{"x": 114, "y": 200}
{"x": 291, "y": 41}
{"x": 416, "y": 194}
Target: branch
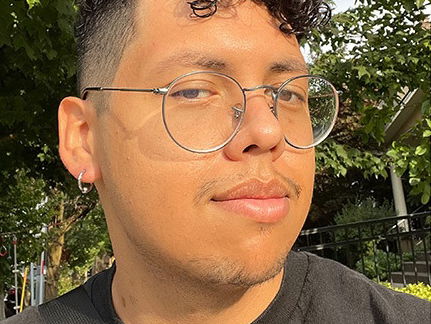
{"x": 78, "y": 216}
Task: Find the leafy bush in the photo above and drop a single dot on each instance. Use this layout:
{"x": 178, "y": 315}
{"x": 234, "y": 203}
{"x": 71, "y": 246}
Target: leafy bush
{"x": 420, "y": 289}
{"x": 71, "y": 278}
{"x": 363, "y": 210}
{"x": 356, "y": 211}
{"x": 377, "y": 262}
{"x": 66, "y": 283}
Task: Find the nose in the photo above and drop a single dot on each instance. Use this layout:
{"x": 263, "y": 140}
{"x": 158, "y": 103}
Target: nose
{"x": 260, "y": 133}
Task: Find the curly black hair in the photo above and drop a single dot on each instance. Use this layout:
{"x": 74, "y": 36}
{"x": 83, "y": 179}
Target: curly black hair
{"x": 104, "y": 28}
{"x": 296, "y": 16}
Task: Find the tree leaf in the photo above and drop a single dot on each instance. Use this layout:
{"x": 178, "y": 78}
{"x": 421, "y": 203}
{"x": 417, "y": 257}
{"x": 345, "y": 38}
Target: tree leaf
{"x": 420, "y": 150}
{"x": 362, "y": 70}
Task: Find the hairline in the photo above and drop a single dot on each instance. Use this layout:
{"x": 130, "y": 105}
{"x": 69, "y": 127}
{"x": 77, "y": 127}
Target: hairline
{"x": 129, "y": 31}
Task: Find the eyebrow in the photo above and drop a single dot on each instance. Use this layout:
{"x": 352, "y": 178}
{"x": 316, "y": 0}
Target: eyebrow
{"x": 289, "y": 65}
{"x": 192, "y": 59}
{"x": 200, "y": 60}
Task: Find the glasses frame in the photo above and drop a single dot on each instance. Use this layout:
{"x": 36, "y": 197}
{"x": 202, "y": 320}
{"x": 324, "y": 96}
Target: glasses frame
{"x": 163, "y": 91}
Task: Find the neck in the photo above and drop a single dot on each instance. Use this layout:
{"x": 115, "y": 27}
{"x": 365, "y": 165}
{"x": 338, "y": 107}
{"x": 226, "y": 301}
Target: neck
{"x": 150, "y": 295}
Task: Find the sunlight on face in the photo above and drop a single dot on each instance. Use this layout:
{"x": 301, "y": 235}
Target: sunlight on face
{"x": 159, "y": 197}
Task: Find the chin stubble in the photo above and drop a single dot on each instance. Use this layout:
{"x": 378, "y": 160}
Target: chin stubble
{"x": 212, "y": 271}
{"x": 225, "y": 272}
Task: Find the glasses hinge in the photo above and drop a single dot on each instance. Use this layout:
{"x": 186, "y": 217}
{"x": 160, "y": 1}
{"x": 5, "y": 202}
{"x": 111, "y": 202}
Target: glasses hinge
{"x": 160, "y": 91}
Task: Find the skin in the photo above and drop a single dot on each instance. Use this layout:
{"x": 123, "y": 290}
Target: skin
{"x": 181, "y": 258}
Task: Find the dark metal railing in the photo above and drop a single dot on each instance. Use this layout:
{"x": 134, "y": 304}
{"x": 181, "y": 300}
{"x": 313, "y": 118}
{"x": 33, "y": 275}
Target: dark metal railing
{"x": 396, "y": 249}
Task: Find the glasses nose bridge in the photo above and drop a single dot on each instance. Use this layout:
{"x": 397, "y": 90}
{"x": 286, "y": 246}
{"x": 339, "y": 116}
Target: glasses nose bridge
{"x": 273, "y": 90}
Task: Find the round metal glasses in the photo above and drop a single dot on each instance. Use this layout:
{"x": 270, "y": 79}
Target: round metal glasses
{"x": 203, "y": 111}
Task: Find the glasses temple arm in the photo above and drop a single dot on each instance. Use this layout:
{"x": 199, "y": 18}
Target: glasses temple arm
{"x": 84, "y": 92}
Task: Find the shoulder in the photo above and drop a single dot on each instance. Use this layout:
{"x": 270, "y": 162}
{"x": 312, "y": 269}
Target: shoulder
{"x": 29, "y": 316}
{"x": 77, "y": 304}
{"x": 336, "y": 290}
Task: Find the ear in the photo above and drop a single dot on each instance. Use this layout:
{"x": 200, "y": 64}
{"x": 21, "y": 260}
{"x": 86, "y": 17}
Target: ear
{"x": 77, "y": 128}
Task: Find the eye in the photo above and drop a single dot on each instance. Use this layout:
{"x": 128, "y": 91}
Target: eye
{"x": 191, "y": 94}
{"x": 290, "y": 96}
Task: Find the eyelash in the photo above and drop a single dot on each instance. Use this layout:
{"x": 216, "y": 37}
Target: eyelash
{"x": 181, "y": 93}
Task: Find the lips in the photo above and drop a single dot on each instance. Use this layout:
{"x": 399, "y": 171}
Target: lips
{"x": 262, "y": 202}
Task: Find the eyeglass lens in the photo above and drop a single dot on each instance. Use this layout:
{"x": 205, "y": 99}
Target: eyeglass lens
{"x": 306, "y": 108}
{"x": 203, "y": 111}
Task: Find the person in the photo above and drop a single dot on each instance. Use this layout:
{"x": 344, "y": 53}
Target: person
{"x": 197, "y": 123}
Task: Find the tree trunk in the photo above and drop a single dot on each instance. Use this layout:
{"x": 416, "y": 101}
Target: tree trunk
{"x": 55, "y": 250}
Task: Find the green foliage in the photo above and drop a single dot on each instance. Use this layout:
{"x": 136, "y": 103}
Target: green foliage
{"x": 71, "y": 278}
{"x": 377, "y": 263}
{"x": 87, "y": 239}
{"x": 362, "y": 210}
{"x": 37, "y": 69}
{"x": 23, "y": 209}
{"x": 66, "y": 282}
{"x": 420, "y": 289}
{"x": 29, "y": 203}
{"x": 336, "y": 159}
{"x": 415, "y": 159}
{"x": 374, "y": 54}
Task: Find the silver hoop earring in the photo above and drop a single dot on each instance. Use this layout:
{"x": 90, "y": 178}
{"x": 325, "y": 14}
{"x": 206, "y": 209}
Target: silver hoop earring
{"x": 83, "y": 189}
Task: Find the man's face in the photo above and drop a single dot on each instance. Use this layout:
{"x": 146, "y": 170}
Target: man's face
{"x": 192, "y": 213}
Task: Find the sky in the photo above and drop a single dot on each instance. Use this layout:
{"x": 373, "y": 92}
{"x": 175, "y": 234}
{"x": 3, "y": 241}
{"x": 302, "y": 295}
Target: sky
{"x": 343, "y": 5}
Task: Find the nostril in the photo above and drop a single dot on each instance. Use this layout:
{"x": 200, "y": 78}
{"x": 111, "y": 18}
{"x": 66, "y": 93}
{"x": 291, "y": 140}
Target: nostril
{"x": 250, "y": 147}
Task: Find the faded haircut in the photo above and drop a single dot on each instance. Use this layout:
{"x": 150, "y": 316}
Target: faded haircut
{"x": 103, "y": 30}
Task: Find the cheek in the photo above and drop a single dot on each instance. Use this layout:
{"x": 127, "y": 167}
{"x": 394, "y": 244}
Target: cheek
{"x": 148, "y": 179}
{"x": 149, "y": 184}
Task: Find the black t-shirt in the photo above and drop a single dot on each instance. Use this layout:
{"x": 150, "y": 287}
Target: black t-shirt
{"x": 313, "y": 290}
{"x": 281, "y": 308}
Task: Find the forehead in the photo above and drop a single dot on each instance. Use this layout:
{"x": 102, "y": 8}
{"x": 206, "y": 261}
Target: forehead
{"x": 244, "y": 35}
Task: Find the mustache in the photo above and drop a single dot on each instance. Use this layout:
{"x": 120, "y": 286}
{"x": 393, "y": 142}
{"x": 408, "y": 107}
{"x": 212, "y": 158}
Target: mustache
{"x": 209, "y": 188}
